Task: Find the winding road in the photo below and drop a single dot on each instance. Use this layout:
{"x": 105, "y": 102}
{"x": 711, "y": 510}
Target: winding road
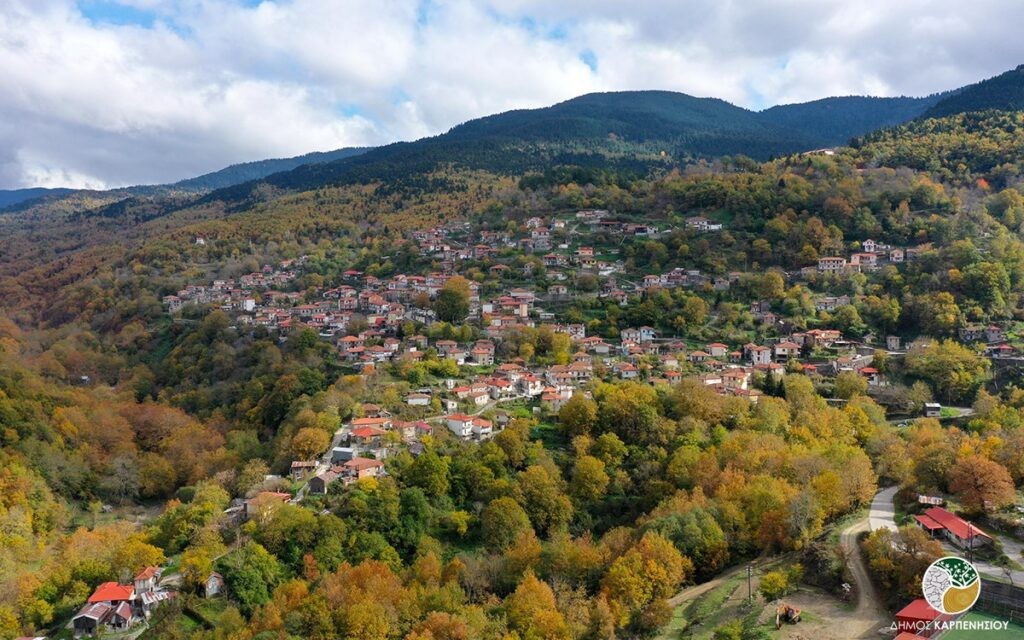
{"x": 869, "y": 615}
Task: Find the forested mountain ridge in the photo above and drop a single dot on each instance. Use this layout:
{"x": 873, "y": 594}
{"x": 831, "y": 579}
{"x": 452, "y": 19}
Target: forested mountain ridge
{"x": 834, "y": 121}
{"x": 245, "y": 171}
{"x": 1004, "y": 92}
{"x": 629, "y": 130}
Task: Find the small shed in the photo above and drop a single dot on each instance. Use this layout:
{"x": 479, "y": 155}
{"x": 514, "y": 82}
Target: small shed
{"x": 87, "y": 621}
{"x": 932, "y": 409}
{"x": 214, "y": 585}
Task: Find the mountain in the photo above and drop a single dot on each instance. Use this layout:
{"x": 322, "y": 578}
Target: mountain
{"x": 633, "y": 130}
{"x": 709, "y": 122}
{"x": 703, "y": 125}
{"x": 834, "y": 121}
{"x": 226, "y": 177}
{"x": 1004, "y": 92}
{"x": 628, "y": 130}
{"x": 246, "y": 171}
{"x": 11, "y": 197}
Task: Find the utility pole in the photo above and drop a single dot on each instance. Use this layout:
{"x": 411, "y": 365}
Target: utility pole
{"x": 970, "y": 542}
{"x": 750, "y": 574}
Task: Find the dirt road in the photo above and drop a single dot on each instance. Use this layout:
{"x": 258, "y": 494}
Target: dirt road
{"x": 870, "y": 615}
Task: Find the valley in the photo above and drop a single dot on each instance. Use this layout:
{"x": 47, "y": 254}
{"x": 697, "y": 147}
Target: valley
{"x": 557, "y": 373}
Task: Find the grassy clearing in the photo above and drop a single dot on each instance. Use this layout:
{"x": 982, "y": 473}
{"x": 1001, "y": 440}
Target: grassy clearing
{"x": 550, "y": 436}
{"x": 707, "y": 610}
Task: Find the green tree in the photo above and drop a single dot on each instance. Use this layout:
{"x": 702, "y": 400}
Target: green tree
{"x": 502, "y": 521}
{"x": 452, "y": 303}
{"x": 988, "y": 283}
{"x": 952, "y": 370}
{"x": 251, "y": 574}
{"x": 849, "y": 384}
{"x": 429, "y": 471}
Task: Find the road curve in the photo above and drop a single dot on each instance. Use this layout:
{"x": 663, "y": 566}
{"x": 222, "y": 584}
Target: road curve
{"x": 870, "y": 615}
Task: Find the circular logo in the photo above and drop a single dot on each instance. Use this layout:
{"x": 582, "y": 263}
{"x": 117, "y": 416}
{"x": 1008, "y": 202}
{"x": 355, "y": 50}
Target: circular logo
{"x": 951, "y": 585}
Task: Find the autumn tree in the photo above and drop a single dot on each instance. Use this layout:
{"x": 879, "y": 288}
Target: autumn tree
{"x": 310, "y": 442}
{"x": 589, "y": 480}
{"x": 644, "y": 577}
{"x": 983, "y": 486}
{"x": 543, "y": 499}
{"x": 898, "y": 560}
{"x": 532, "y": 610}
{"x": 578, "y": 416}
{"x": 849, "y": 384}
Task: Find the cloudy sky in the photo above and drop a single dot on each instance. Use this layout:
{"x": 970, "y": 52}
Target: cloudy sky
{"x": 100, "y": 93}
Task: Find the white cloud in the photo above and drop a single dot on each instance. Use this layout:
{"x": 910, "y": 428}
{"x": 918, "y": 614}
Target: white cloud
{"x": 86, "y": 101}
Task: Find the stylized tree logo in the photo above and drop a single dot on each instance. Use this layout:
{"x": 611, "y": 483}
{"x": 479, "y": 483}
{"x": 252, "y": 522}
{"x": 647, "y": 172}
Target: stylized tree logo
{"x": 951, "y": 585}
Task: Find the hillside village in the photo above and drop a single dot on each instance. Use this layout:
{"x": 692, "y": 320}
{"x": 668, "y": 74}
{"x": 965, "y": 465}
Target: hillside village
{"x": 379, "y": 323}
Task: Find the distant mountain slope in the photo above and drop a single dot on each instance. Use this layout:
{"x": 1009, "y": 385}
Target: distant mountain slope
{"x": 628, "y": 129}
{"x": 1004, "y": 92}
{"x": 226, "y": 177}
{"x": 702, "y": 123}
{"x": 246, "y": 171}
{"x": 11, "y": 197}
{"x": 834, "y": 121}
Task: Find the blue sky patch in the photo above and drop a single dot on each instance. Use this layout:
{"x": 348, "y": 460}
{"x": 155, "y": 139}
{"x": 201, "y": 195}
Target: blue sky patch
{"x": 110, "y": 12}
{"x": 589, "y": 58}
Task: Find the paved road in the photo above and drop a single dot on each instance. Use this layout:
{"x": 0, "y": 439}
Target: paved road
{"x": 883, "y": 511}
{"x": 870, "y": 615}
{"x": 961, "y": 412}
{"x": 1011, "y": 548}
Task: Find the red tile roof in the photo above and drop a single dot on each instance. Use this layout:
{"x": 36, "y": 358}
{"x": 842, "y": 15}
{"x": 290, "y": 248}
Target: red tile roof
{"x": 112, "y": 592}
{"x": 359, "y": 464}
{"x": 150, "y": 572}
{"x": 368, "y": 432}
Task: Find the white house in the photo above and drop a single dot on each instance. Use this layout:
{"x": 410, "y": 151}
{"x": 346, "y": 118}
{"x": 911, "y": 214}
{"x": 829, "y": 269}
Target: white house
{"x": 831, "y": 264}
{"x": 760, "y": 355}
{"x": 466, "y": 426}
{"x": 641, "y": 334}
{"x": 418, "y": 399}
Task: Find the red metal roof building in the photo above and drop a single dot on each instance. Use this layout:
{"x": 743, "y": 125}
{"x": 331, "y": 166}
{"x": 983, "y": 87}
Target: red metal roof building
{"x": 918, "y": 618}
{"x": 939, "y": 522}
